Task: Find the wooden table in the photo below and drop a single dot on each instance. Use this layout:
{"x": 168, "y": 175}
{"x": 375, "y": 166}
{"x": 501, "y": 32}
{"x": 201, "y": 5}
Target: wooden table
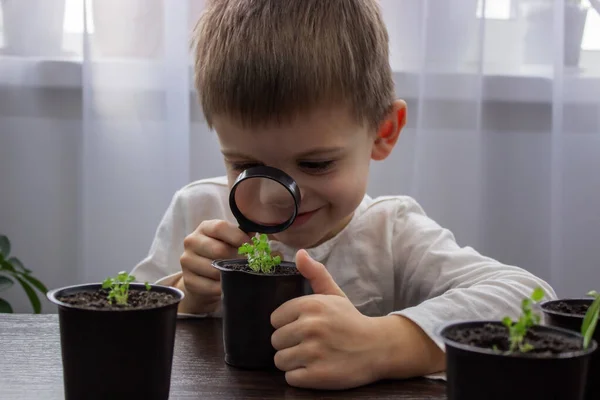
{"x": 30, "y": 367}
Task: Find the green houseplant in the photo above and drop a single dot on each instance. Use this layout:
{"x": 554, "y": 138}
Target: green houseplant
{"x": 254, "y": 287}
{"x": 515, "y": 359}
{"x": 579, "y": 315}
{"x": 11, "y": 270}
{"x": 99, "y": 322}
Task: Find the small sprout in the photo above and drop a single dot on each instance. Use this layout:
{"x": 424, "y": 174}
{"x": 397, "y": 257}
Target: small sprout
{"x": 517, "y": 330}
{"x": 259, "y": 254}
{"x": 118, "y": 287}
{"x": 591, "y": 319}
{"x": 148, "y": 287}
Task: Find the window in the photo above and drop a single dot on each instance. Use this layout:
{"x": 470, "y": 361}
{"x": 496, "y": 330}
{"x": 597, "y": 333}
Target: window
{"x": 74, "y": 17}
{"x": 495, "y": 9}
{"x": 507, "y": 9}
{"x": 591, "y": 36}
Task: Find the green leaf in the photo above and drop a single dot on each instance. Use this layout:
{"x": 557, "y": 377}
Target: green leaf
{"x": 589, "y": 332}
{"x": 587, "y": 319}
{"x": 5, "y": 307}
{"x": 526, "y": 347}
{"x": 246, "y": 248}
{"x": 107, "y": 283}
{"x": 33, "y": 298}
{"x": 148, "y": 287}
{"x": 5, "y": 282}
{"x": 506, "y": 321}
{"x": 538, "y": 294}
{"x": 4, "y": 246}
{"x": 590, "y": 320}
{"x": 6, "y": 266}
{"x": 18, "y": 265}
{"x": 36, "y": 283}
{"x": 123, "y": 277}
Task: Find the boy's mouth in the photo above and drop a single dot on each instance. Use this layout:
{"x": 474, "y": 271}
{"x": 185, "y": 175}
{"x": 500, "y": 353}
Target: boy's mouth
{"x": 304, "y": 217}
{"x": 301, "y": 219}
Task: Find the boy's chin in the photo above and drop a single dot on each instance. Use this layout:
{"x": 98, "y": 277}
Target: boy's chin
{"x": 300, "y": 241}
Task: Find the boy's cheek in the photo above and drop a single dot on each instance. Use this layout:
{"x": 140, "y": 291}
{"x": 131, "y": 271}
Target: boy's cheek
{"x": 351, "y": 183}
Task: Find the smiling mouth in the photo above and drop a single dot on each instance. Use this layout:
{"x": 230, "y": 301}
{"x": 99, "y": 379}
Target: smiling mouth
{"x": 301, "y": 217}
{"x": 304, "y": 217}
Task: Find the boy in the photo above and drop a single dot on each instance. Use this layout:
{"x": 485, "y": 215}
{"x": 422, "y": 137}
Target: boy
{"x": 305, "y": 86}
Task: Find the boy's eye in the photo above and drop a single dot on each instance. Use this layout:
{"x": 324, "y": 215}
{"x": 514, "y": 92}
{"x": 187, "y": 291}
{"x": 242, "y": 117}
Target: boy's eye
{"x": 244, "y": 166}
{"x": 316, "y": 166}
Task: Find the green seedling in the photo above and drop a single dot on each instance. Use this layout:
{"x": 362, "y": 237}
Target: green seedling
{"x": 591, "y": 319}
{"x": 259, "y": 254}
{"x": 517, "y": 330}
{"x": 118, "y": 287}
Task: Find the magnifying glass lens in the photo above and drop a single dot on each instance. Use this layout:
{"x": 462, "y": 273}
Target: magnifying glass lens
{"x": 264, "y": 201}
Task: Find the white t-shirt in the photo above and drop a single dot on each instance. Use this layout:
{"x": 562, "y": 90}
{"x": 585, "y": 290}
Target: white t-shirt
{"x": 391, "y": 258}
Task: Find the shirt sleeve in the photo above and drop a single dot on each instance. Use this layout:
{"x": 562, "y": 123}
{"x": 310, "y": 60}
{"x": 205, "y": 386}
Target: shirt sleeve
{"x": 438, "y": 282}
{"x": 161, "y": 265}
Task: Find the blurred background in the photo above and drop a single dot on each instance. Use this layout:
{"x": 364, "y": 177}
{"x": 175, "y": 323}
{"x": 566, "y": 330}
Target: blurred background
{"x": 99, "y": 126}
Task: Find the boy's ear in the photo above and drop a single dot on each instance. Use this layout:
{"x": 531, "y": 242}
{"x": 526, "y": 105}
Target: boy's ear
{"x": 389, "y": 131}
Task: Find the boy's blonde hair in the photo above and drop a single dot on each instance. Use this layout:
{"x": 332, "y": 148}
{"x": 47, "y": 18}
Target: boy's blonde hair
{"x": 264, "y": 61}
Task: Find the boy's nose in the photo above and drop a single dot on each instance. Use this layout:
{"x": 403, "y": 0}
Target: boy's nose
{"x": 273, "y": 194}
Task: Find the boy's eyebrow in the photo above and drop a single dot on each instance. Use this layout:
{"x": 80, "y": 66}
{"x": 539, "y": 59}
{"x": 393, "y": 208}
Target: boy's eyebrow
{"x": 234, "y": 154}
{"x": 318, "y": 151}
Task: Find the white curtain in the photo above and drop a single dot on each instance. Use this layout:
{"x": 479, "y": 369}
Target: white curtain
{"x": 99, "y": 126}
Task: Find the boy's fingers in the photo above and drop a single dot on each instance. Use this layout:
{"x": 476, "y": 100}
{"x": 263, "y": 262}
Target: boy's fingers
{"x": 291, "y": 358}
{"x": 224, "y": 231}
{"x": 318, "y": 276}
{"x": 286, "y": 313}
{"x": 198, "y": 265}
{"x": 200, "y": 285}
{"x": 287, "y": 336}
{"x": 211, "y": 248}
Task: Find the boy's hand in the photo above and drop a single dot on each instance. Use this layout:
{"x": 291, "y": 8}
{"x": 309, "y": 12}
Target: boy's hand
{"x": 200, "y": 281}
{"x": 324, "y": 342}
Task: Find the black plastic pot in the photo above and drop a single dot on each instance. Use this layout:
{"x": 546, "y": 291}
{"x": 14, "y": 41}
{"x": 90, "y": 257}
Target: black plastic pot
{"x": 124, "y": 354}
{"x": 474, "y": 373}
{"x": 574, "y": 322}
{"x": 249, "y": 299}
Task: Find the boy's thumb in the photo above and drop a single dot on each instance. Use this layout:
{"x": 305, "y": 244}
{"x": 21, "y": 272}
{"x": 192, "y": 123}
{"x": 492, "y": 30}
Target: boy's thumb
{"x": 318, "y": 276}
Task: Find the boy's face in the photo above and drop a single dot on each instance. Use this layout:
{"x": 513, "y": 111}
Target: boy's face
{"x": 328, "y": 155}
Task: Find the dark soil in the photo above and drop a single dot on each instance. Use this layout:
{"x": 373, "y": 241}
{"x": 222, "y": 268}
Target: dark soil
{"x": 568, "y": 308}
{"x": 492, "y": 336}
{"x": 278, "y": 270}
{"x": 137, "y": 299}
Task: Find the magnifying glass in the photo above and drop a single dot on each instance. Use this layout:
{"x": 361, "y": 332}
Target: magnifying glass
{"x": 264, "y": 199}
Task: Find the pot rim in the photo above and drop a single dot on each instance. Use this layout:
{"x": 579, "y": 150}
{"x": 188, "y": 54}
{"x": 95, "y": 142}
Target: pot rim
{"x": 566, "y": 300}
{"x": 528, "y": 356}
{"x": 52, "y": 296}
{"x": 218, "y": 265}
